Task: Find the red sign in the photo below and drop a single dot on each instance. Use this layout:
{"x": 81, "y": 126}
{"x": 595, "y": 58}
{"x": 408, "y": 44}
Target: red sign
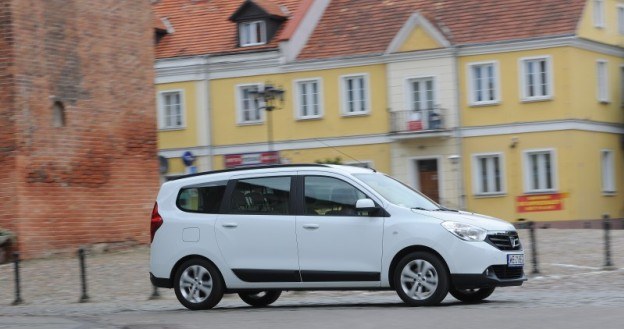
{"x": 414, "y": 125}
{"x": 251, "y": 159}
{"x": 542, "y": 202}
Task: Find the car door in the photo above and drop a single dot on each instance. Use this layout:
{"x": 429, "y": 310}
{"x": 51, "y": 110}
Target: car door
{"x": 256, "y": 232}
{"x": 336, "y": 242}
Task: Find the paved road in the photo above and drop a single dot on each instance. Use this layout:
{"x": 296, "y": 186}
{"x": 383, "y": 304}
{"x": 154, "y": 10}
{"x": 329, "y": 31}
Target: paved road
{"x": 572, "y": 291}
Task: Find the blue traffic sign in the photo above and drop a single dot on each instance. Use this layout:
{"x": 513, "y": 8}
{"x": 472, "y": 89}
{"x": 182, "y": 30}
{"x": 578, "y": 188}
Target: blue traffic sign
{"x": 188, "y": 158}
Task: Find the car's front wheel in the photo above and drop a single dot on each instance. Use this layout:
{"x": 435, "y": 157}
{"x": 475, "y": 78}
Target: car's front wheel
{"x": 260, "y": 298}
{"x": 198, "y": 284}
{"x": 471, "y": 295}
{"x": 421, "y": 279}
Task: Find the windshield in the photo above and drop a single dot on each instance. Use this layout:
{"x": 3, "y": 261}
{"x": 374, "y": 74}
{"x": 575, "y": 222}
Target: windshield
{"x": 397, "y": 192}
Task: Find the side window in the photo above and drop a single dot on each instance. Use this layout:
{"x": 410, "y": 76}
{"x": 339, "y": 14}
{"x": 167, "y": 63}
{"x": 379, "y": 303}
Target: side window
{"x": 203, "y": 199}
{"x": 261, "y": 196}
{"x": 328, "y": 196}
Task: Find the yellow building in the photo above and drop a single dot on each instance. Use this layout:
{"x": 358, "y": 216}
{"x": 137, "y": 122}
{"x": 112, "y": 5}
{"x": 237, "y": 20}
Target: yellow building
{"x": 542, "y": 121}
{"x": 512, "y": 110}
{"x": 328, "y": 113}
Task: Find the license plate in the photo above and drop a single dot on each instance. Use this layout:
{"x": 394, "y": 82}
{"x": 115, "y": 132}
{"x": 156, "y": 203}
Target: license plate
{"x": 515, "y": 260}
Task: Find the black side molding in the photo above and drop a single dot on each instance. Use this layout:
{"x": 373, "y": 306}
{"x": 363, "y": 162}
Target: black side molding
{"x": 333, "y": 276}
{"x": 253, "y": 275}
{"x": 257, "y": 275}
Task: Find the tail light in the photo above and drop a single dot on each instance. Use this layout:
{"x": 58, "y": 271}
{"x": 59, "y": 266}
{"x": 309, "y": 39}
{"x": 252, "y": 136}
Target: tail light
{"x": 156, "y": 221}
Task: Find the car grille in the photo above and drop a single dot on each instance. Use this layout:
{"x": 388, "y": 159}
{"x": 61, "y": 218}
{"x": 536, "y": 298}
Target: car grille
{"x": 505, "y": 241}
{"x": 506, "y": 272}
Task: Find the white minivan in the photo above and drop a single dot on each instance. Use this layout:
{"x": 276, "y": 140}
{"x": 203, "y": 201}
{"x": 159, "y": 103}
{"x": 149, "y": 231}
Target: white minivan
{"x": 260, "y": 231}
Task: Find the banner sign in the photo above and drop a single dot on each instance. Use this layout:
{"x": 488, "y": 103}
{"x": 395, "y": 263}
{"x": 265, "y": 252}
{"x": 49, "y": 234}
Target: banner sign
{"x": 542, "y": 202}
{"x": 251, "y": 159}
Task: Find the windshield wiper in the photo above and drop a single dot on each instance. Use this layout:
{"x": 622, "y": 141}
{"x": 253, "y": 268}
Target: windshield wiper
{"x": 420, "y": 208}
{"x": 446, "y": 209}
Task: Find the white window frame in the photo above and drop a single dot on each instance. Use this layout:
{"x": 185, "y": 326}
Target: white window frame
{"x": 620, "y": 15}
{"x": 240, "y": 105}
{"x": 599, "y": 13}
{"x": 344, "y": 104}
{"x": 247, "y": 38}
{"x": 478, "y": 179}
{"x": 602, "y": 80}
{"x": 607, "y": 164}
{"x": 524, "y": 81}
{"x": 409, "y": 91}
{"x": 298, "y": 98}
{"x": 528, "y": 174}
{"x": 162, "y": 120}
{"x": 472, "y": 84}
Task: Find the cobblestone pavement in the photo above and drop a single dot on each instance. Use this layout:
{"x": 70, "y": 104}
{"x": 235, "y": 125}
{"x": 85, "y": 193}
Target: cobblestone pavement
{"x": 570, "y": 263}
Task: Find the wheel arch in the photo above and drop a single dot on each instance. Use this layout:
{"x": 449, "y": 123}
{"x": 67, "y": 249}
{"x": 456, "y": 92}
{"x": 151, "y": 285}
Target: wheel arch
{"x": 408, "y": 250}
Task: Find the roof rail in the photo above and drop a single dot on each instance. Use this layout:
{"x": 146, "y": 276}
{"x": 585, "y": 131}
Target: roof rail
{"x": 172, "y": 178}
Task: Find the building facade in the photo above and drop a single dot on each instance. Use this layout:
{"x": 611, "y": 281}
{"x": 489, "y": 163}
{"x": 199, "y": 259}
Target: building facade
{"x": 479, "y": 108}
{"x": 542, "y": 120}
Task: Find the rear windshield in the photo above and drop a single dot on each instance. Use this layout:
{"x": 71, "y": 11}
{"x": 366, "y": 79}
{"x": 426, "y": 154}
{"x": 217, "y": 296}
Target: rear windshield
{"x": 203, "y": 199}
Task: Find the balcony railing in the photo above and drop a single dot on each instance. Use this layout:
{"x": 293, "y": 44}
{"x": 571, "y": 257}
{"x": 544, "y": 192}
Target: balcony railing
{"x": 429, "y": 120}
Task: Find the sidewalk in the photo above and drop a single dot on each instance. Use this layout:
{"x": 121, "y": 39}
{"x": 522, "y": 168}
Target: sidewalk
{"x": 122, "y": 277}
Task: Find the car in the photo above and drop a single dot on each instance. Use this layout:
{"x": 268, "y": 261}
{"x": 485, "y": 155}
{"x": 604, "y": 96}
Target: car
{"x": 260, "y": 231}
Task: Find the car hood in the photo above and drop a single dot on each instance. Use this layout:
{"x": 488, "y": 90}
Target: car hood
{"x": 482, "y": 221}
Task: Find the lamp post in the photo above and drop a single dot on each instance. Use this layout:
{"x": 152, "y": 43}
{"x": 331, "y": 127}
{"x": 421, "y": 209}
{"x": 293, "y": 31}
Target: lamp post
{"x": 268, "y": 95}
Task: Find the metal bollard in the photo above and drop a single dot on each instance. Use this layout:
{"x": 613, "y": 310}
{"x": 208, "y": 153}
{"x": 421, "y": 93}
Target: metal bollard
{"x": 155, "y": 293}
{"x": 18, "y": 297}
{"x": 606, "y": 224}
{"x": 533, "y": 247}
{"x": 83, "y": 276}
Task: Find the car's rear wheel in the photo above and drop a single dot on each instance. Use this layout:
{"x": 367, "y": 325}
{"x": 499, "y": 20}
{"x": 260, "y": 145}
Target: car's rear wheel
{"x": 471, "y": 295}
{"x": 421, "y": 279}
{"x": 198, "y": 284}
{"x": 260, "y": 298}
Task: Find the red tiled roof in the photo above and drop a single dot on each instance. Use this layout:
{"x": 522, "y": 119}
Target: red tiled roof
{"x": 296, "y": 19}
{"x": 202, "y": 27}
{"x": 270, "y": 7}
{"x": 159, "y": 25}
{"x": 362, "y": 27}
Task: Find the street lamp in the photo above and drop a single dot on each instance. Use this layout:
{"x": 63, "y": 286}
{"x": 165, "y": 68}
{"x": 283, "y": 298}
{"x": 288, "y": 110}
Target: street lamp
{"x": 268, "y": 95}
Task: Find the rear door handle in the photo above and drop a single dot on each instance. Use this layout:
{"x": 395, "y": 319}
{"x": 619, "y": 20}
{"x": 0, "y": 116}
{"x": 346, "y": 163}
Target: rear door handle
{"x": 311, "y": 226}
{"x": 229, "y": 225}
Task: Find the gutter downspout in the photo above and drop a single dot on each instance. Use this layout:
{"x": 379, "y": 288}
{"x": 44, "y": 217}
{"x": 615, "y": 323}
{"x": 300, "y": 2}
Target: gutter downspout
{"x": 458, "y": 134}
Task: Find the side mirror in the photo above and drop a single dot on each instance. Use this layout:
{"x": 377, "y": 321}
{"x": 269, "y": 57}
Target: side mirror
{"x": 365, "y": 204}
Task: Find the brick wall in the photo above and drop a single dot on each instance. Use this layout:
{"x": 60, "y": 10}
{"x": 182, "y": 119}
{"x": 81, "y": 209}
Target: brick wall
{"x": 95, "y": 179}
{"x": 7, "y": 127}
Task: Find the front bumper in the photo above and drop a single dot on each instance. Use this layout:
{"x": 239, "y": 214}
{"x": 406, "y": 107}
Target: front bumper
{"x": 489, "y": 278}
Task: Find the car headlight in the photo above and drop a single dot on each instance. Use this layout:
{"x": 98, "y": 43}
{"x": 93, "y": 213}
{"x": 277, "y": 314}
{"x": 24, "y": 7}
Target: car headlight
{"x": 465, "y": 232}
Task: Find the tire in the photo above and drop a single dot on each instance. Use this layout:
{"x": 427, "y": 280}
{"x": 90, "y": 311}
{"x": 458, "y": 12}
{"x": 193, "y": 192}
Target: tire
{"x": 421, "y": 279}
{"x": 198, "y": 284}
{"x": 471, "y": 295}
{"x": 260, "y": 298}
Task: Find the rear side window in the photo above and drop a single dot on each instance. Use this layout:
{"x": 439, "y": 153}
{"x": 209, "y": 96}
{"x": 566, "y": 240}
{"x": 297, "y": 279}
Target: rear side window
{"x": 261, "y": 196}
{"x": 203, "y": 199}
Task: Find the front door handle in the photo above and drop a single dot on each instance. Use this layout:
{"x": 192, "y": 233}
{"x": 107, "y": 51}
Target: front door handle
{"x": 230, "y": 225}
{"x": 311, "y": 226}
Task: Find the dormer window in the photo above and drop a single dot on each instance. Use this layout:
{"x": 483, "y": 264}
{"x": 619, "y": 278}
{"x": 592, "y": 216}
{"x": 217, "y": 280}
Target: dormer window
{"x": 252, "y": 33}
{"x": 258, "y": 21}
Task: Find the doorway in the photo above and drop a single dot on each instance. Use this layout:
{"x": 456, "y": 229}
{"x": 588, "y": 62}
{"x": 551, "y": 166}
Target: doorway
{"x": 428, "y": 178}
